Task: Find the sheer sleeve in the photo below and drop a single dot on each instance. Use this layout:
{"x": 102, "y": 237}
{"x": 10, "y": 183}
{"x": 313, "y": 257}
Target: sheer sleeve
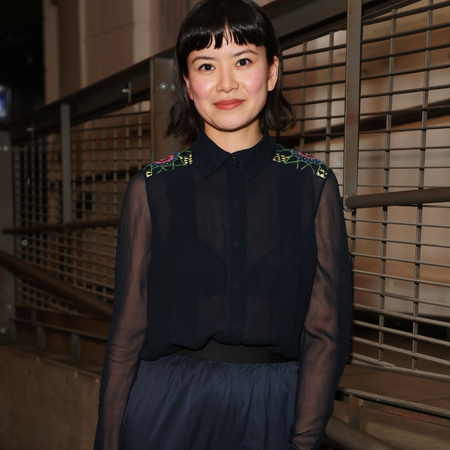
{"x": 129, "y": 321}
{"x": 325, "y": 334}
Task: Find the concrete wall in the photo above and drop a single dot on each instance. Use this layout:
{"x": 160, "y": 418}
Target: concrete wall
{"x": 107, "y": 44}
{"x": 45, "y": 405}
{"x": 88, "y": 40}
{"x": 69, "y": 47}
{"x": 51, "y": 50}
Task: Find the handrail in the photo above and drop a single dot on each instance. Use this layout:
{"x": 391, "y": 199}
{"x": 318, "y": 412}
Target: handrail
{"x": 375, "y": 122}
{"x": 83, "y": 334}
{"x": 61, "y": 227}
{"x": 55, "y": 286}
{"x": 350, "y": 435}
{"x": 352, "y": 438}
{"x": 98, "y": 98}
{"x": 418, "y": 411}
{"x": 400, "y": 198}
{"x": 297, "y": 21}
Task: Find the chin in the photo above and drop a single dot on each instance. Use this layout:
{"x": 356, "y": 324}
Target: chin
{"x": 237, "y": 126}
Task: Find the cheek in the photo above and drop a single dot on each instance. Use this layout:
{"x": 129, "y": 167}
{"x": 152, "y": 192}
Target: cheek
{"x": 198, "y": 89}
{"x": 257, "y": 85}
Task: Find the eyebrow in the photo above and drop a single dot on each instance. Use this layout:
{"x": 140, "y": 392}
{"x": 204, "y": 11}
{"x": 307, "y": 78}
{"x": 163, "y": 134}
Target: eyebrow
{"x": 235, "y": 55}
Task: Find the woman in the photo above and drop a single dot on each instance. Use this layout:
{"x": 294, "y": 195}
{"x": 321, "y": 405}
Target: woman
{"x": 234, "y": 334}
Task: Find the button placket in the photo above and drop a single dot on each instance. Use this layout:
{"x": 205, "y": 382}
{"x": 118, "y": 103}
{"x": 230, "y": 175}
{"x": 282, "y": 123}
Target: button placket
{"x": 236, "y": 253}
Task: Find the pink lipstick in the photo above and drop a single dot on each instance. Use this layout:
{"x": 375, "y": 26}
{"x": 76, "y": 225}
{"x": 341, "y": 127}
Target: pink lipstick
{"x": 229, "y": 104}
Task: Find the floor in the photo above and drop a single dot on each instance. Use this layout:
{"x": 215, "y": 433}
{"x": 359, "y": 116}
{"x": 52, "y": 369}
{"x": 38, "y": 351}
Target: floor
{"x": 401, "y": 433}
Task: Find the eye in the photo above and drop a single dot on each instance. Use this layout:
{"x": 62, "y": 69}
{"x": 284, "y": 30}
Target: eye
{"x": 243, "y": 62}
{"x": 206, "y": 67}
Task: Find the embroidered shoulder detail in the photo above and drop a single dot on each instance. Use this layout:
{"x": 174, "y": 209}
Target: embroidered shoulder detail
{"x": 179, "y": 159}
{"x": 301, "y": 161}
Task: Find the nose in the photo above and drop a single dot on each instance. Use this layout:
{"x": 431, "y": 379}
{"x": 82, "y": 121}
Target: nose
{"x": 227, "y": 81}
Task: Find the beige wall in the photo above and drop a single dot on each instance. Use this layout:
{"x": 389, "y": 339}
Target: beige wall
{"x": 141, "y": 31}
{"x": 51, "y": 50}
{"x": 45, "y": 405}
{"x": 166, "y": 17}
{"x": 88, "y": 40}
{"x": 108, "y": 41}
{"x": 69, "y": 47}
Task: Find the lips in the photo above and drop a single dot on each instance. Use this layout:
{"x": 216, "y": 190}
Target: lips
{"x": 229, "y": 104}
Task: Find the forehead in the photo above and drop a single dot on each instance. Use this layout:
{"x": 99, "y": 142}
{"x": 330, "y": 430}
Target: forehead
{"x": 228, "y": 49}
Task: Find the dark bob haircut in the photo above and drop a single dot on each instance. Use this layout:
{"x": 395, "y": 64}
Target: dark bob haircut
{"x": 213, "y": 21}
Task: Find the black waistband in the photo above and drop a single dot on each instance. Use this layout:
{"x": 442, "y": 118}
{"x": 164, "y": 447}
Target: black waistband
{"x": 241, "y": 354}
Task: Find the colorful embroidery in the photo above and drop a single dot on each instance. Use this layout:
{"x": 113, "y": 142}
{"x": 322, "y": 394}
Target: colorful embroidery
{"x": 301, "y": 160}
{"x": 179, "y": 159}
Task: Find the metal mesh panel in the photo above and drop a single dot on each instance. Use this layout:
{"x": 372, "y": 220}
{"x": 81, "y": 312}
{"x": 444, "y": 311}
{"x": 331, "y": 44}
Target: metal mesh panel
{"x": 37, "y": 181}
{"x": 105, "y": 153}
{"x": 400, "y": 254}
{"x": 315, "y": 83}
{"x": 38, "y": 199}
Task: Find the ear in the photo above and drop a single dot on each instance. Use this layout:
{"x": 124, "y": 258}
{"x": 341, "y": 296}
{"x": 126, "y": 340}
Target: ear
{"x": 273, "y": 74}
{"x": 188, "y": 85}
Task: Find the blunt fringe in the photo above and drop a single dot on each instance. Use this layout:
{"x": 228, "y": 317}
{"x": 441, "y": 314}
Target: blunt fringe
{"x": 211, "y": 21}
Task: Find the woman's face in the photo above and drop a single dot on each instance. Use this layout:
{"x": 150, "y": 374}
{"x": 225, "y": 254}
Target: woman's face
{"x": 229, "y": 86}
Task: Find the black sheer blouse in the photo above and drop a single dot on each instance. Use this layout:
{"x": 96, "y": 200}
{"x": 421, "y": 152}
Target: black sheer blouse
{"x": 244, "y": 248}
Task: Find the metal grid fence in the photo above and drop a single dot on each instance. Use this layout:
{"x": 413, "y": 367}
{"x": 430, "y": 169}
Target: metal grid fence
{"x": 400, "y": 254}
{"x": 105, "y": 153}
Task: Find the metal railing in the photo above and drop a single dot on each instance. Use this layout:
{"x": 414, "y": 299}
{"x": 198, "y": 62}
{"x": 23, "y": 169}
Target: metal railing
{"x": 385, "y": 99}
{"x": 373, "y": 104}
{"x": 71, "y": 162}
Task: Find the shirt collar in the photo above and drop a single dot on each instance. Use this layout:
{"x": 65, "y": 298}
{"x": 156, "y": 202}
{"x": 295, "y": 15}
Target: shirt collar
{"x": 208, "y": 157}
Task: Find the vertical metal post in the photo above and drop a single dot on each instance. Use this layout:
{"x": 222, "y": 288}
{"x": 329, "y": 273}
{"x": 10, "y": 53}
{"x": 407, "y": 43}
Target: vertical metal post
{"x": 352, "y": 94}
{"x": 329, "y": 98}
{"x": 303, "y": 97}
{"x": 386, "y": 182}
{"x": 7, "y": 279}
{"x": 161, "y": 96}
{"x": 421, "y": 180}
{"x": 76, "y": 351}
{"x": 40, "y": 337}
{"x": 66, "y": 163}
{"x": 355, "y": 412}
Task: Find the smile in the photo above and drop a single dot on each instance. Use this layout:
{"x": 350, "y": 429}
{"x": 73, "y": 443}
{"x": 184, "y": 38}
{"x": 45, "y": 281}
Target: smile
{"x": 229, "y": 104}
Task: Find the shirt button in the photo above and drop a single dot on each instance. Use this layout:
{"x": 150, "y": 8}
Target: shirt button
{"x": 235, "y": 285}
{"x": 234, "y": 325}
{"x": 236, "y": 245}
{"x": 233, "y": 157}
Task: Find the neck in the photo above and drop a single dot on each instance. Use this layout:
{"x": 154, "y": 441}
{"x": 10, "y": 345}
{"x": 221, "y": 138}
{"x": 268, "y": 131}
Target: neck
{"x": 233, "y": 141}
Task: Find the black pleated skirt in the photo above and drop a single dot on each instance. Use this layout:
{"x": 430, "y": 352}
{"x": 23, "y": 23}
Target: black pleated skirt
{"x": 183, "y": 403}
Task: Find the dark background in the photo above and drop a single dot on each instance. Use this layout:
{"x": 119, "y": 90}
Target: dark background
{"x": 21, "y": 53}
